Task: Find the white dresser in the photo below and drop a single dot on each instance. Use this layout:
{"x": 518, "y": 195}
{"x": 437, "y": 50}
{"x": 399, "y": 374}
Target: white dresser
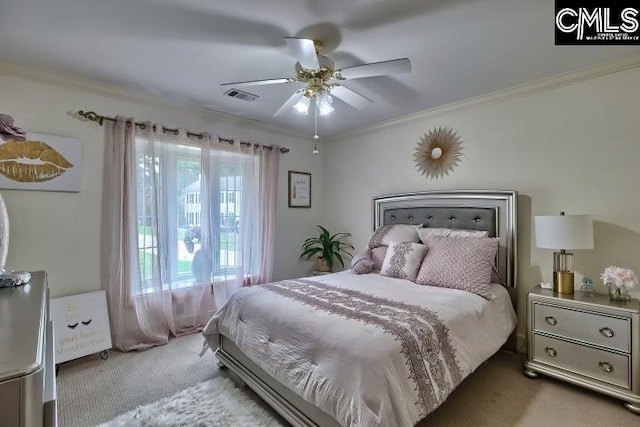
{"x": 27, "y": 370}
{"x": 589, "y": 341}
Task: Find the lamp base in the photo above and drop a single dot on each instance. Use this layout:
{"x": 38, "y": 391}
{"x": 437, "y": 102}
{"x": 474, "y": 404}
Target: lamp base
{"x": 563, "y": 282}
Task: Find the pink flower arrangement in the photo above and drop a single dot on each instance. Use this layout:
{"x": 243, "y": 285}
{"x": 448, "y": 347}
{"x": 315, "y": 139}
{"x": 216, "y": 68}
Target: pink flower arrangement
{"x": 619, "y": 277}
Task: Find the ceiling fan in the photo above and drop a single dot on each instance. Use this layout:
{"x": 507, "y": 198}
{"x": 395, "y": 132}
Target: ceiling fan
{"x": 323, "y": 80}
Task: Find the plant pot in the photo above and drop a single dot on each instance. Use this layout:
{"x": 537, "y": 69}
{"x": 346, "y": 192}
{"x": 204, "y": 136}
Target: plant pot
{"x": 323, "y": 265}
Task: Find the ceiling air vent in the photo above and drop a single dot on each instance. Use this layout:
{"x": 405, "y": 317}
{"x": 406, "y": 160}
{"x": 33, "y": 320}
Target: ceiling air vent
{"x": 240, "y": 94}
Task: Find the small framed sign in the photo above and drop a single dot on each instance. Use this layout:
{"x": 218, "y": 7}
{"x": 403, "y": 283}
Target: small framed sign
{"x": 81, "y": 325}
{"x": 299, "y": 189}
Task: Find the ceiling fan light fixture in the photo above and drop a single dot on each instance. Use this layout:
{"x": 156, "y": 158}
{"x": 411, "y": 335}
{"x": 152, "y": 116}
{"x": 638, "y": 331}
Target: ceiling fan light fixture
{"x": 323, "y": 102}
{"x": 319, "y": 74}
{"x": 302, "y": 106}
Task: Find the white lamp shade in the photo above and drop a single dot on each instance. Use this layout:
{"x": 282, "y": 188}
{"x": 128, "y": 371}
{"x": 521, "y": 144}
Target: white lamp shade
{"x": 323, "y": 102}
{"x": 564, "y": 231}
{"x": 302, "y": 106}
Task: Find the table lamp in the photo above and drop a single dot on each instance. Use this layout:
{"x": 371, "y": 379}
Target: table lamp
{"x": 564, "y": 232}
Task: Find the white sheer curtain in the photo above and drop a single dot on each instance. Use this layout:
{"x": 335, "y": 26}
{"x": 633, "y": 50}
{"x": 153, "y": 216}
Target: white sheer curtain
{"x": 257, "y": 170}
{"x": 185, "y": 224}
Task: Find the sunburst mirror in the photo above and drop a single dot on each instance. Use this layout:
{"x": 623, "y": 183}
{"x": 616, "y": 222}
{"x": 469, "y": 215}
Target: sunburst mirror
{"x": 438, "y": 152}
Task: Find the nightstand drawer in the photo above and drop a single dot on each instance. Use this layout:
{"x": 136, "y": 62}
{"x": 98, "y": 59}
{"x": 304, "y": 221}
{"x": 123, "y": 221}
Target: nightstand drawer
{"x": 595, "y": 328}
{"x": 601, "y": 365}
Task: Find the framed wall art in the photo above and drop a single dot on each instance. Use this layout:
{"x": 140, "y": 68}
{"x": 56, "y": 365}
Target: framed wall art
{"x": 81, "y": 324}
{"x": 299, "y": 189}
{"x": 41, "y": 162}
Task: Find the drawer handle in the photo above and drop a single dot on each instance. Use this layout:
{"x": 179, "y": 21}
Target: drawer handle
{"x": 553, "y": 353}
{"x": 605, "y": 366}
{"x": 551, "y": 320}
{"x": 607, "y": 332}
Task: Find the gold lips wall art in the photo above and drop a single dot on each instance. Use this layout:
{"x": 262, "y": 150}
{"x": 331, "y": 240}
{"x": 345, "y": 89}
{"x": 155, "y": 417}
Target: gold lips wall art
{"x": 31, "y": 161}
{"x": 41, "y": 162}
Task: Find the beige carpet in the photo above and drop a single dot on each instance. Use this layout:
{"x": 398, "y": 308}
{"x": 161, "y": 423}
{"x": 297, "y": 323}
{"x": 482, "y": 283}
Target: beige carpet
{"x": 92, "y": 391}
{"x": 497, "y": 394}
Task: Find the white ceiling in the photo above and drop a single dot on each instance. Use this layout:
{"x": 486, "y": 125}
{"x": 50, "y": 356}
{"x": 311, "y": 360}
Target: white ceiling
{"x": 183, "y": 49}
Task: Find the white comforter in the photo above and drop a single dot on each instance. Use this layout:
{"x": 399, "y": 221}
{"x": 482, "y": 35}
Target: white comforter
{"x": 367, "y": 349}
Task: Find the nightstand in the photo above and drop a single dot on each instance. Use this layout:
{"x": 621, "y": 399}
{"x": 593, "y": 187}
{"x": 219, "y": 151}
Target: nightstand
{"x": 588, "y": 341}
{"x": 319, "y": 273}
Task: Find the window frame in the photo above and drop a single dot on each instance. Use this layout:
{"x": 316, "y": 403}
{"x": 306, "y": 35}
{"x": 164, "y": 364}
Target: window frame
{"x": 169, "y": 264}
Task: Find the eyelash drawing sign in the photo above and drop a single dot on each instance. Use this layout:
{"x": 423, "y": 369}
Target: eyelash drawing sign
{"x": 81, "y": 325}
{"x": 76, "y": 324}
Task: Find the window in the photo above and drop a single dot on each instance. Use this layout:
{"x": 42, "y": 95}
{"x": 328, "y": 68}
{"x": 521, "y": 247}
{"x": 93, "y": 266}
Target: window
{"x": 169, "y": 246}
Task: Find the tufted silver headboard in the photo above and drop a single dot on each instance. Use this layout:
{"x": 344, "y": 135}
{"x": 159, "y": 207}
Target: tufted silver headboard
{"x": 494, "y": 211}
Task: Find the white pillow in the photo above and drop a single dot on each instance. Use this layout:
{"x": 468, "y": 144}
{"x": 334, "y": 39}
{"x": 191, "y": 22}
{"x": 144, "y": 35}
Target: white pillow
{"x": 403, "y": 260}
{"x": 425, "y": 233}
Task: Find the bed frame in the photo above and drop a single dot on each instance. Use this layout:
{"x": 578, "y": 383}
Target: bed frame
{"x": 495, "y": 211}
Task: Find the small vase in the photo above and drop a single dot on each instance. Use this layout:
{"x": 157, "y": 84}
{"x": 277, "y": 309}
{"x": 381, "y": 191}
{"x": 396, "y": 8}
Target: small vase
{"x": 587, "y": 287}
{"x": 618, "y": 293}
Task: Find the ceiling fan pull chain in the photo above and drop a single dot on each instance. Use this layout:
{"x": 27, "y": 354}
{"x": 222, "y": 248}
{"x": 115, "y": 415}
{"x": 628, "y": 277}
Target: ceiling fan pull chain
{"x": 315, "y": 117}
{"x": 315, "y": 135}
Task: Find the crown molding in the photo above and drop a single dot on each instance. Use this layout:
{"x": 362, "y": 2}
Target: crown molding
{"x": 72, "y": 82}
{"x": 503, "y": 95}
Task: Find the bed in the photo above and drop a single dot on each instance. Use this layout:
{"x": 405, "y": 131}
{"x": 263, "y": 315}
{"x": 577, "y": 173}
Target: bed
{"x": 370, "y": 350}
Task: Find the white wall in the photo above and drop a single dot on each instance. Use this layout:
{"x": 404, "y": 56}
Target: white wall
{"x": 573, "y": 148}
{"x": 60, "y": 232}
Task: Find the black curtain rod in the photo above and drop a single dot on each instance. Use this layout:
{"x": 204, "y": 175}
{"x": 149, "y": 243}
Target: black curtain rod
{"x": 95, "y": 117}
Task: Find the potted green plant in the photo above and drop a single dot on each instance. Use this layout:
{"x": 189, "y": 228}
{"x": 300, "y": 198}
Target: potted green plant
{"x": 327, "y": 247}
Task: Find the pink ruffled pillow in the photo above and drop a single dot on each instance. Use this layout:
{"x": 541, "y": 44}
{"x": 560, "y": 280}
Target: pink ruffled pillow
{"x": 459, "y": 263}
{"x": 362, "y": 263}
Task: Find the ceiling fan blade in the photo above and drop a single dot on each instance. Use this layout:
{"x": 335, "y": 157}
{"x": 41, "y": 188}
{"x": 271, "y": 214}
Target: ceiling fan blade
{"x": 289, "y": 103}
{"x": 305, "y": 52}
{"x": 375, "y": 69}
{"x": 350, "y": 96}
{"x": 259, "y": 82}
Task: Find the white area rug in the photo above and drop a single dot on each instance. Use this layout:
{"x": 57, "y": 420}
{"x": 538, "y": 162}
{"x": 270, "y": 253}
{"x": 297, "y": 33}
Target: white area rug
{"x": 217, "y": 402}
